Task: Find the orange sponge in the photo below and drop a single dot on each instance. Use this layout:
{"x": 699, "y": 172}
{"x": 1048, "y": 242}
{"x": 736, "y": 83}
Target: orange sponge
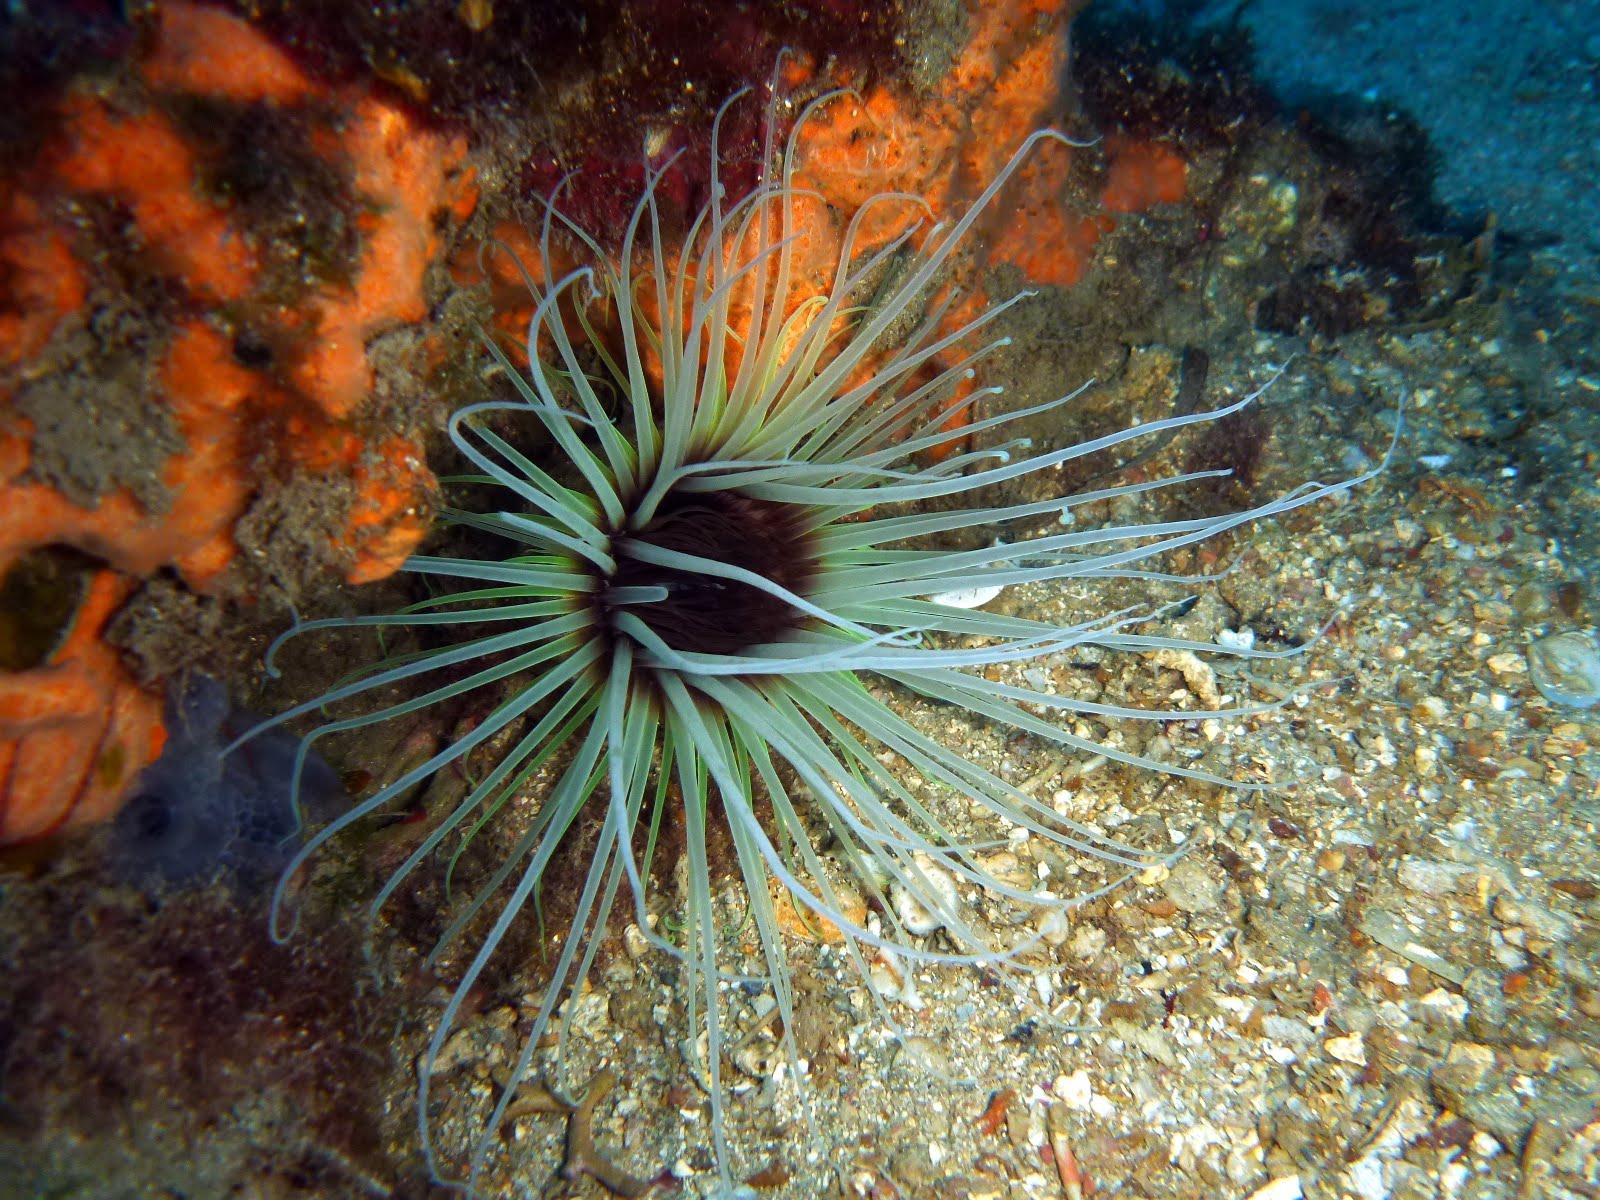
{"x": 208, "y": 488}
{"x": 407, "y": 175}
{"x": 1142, "y": 174}
{"x": 40, "y": 280}
{"x": 242, "y": 422}
{"x": 76, "y": 730}
{"x": 946, "y": 147}
{"x": 209, "y": 53}
{"x": 143, "y": 160}
{"x": 402, "y": 178}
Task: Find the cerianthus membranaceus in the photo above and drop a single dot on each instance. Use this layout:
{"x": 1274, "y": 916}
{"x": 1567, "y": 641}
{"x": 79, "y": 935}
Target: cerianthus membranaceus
{"x": 698, "y": 584}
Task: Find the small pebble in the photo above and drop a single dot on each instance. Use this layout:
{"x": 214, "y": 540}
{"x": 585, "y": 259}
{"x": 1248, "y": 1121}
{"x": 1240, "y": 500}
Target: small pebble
{"x": 1442, "y": 1007}
{"x": 1347, "y": 1049}
{"x": 1547, "y": 923}
{"x": 1075, "y": 1090}
{"x": 1430, "y": 877}
{"x": 1192, "y": 888}
{"x": 1285, "y": 1187}
{"x": 1432, "y": 709}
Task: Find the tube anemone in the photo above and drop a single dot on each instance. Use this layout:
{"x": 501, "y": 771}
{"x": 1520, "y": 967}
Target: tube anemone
{"x": 693, "y": 592}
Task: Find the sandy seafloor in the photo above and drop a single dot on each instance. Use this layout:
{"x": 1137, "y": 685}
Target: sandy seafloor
{"x": 1379, "y": 977}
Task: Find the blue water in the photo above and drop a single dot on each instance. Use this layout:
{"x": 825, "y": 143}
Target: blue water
{"x": 1508, "y": 91}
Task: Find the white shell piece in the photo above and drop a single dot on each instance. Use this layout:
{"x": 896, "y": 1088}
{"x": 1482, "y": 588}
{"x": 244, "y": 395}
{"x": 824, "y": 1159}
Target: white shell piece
{"x": 1240, "y": 639}
{"x": 916, "y": 918}
{"x": 1565, "y": 667}
{"x": 967, "y": 597}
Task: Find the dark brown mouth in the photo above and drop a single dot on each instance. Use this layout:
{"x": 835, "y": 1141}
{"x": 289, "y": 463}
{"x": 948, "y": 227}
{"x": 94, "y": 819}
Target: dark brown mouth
{"x": 706, "y": 614}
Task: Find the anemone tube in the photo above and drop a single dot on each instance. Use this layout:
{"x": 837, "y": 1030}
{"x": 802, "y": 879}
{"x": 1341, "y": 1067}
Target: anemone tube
{"x": 698, "y": 596}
